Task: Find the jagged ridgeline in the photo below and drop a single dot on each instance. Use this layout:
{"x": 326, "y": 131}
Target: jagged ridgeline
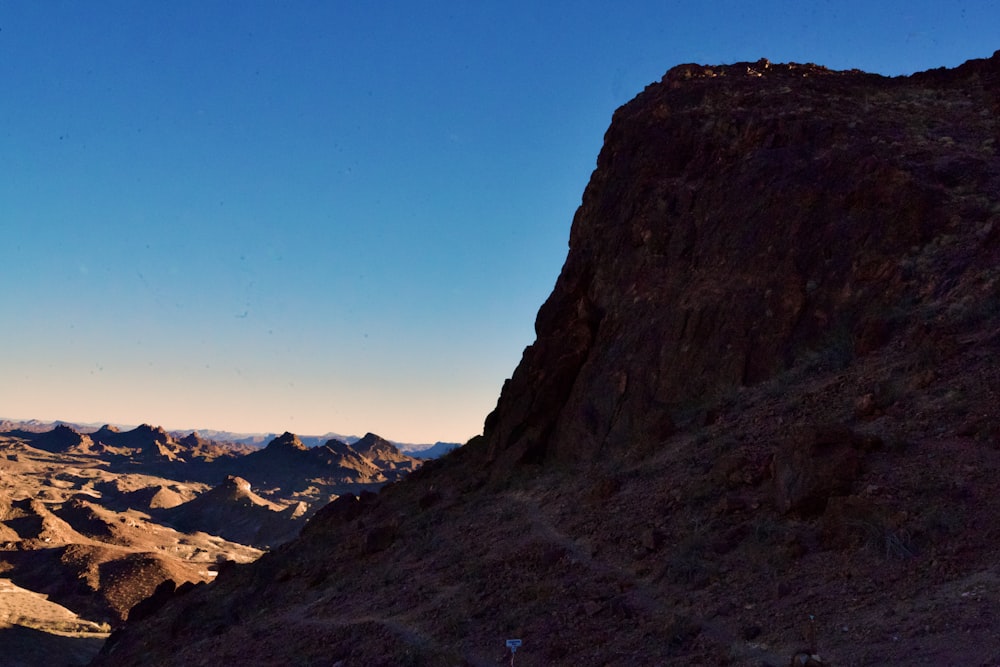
{"x": 758, "y": 423}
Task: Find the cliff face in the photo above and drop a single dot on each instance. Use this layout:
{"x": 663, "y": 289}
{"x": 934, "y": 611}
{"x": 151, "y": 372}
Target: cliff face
{"x": 739, "y": 218}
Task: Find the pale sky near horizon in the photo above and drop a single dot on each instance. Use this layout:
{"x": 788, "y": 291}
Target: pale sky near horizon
{"x": 333, "y": 216}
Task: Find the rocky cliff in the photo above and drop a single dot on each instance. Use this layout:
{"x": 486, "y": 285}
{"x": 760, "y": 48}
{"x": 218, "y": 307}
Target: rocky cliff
{"x": 740, "y": 218}
{"x": 757, "y": 425}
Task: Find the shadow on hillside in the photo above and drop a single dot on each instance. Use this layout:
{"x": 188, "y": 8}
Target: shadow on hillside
{"x": 27, "y": 647}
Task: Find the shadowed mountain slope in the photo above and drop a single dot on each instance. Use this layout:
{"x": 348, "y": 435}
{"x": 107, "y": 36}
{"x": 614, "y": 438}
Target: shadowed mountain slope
{"x": 61, "y": 439}
{"x": 233, "y": 511}
{"x": 758, "y": 421}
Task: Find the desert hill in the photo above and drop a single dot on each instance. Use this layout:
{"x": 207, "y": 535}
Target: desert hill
{"x": 385, "y": 455}
{"x": 758, "y": 421}
{"x": 233, "y": 511}
{"x": 60, "y": 439}
{"x": 93, "y": 523}
{"x": 66, "y": 533}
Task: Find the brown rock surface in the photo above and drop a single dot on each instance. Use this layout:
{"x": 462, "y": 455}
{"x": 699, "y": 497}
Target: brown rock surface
{"x": 759, "y": 246}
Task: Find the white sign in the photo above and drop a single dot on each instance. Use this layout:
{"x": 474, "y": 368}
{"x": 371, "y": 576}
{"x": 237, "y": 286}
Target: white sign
{"x": 513, "y": 644}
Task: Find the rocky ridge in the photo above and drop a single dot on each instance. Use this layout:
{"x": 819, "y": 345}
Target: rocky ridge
{"x": 757, "y": 426}
{"x": 740, "y": 219}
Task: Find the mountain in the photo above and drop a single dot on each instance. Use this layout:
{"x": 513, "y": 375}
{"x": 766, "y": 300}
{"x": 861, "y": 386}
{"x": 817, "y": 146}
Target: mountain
{"x": 771, "y": 213}
{"x": 386, "y": 455}
{"x": 233, "y": 511}
{"x": 35, "y": 425}
{"x": 757, "y": 426}
{"x": 62, "y": 438}
{"x": 208, "y": 449}
{"x": 286, "y": 468}
{"x": 144, "y": 441}
{"x": 286, "y": 462}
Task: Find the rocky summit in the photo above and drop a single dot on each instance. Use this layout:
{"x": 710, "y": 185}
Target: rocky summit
{"x": 758, "y": 425}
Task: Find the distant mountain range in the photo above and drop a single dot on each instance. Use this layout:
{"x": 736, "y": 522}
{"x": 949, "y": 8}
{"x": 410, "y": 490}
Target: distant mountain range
{"x": 287, "y": 469}
{"x": 253, "y": 440}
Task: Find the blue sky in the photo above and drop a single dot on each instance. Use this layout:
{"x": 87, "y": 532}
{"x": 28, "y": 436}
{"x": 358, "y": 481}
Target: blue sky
{"x": 336, "y": 216}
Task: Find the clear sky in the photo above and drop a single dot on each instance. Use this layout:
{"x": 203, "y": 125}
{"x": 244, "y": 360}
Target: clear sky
{"x": 336, "y": 216}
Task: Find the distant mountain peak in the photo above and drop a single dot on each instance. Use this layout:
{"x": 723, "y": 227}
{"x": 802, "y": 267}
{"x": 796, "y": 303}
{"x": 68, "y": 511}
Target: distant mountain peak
{"x": 286, "y": 442}
{"x": 193, "y": 440}
{"x": 373, "y": 443}
{"x": 62, "y": 439}
{"x": 157, "y": 432}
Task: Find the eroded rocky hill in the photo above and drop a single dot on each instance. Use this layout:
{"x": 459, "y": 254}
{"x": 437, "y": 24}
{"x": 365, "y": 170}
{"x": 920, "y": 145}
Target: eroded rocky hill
{"x": 759, "y": 419}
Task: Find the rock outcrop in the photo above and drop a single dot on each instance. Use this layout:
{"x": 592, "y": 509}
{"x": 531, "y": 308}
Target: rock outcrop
{"x": 740, "y": 218}
{"x": 288, "y": 463}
